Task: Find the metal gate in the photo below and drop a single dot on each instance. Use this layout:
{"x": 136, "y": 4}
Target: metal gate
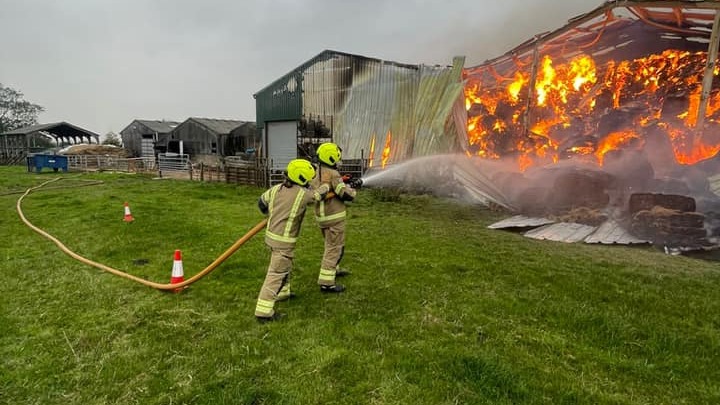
{"x": 173, "y": 162}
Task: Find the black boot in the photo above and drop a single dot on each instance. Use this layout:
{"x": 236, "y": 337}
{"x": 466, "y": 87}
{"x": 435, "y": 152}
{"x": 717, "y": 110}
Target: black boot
{"x": 332, "y": 288}
{"x": 342, "y": 272}
{"x": 265, "y": 319}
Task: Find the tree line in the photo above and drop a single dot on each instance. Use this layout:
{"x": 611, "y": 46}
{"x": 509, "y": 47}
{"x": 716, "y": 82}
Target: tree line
{"x": 15, "y": 111}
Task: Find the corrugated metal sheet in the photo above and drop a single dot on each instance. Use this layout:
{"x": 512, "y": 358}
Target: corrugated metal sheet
{"x": 521, "y": 221}
{"x": 567, "y": 232}
{"x": 405, "y": 108}
{"x": 611, "y": 232}
{"x": 714, "y": 184}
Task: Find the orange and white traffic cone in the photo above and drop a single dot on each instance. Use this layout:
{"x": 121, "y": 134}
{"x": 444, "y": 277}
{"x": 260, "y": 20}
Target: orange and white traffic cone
{"x": 128, "y": 215}
{"x": 177, "y": 271}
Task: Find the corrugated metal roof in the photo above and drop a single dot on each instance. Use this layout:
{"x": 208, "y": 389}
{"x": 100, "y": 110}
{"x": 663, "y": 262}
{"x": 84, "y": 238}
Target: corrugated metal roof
{"x": 611, "y": 232}
{"x": 219, "y": 126}
{"x": 667, "y": 17}
{"x": 567, "y": 232}
{"x": 521, "y": 221}
{"x": 58, "y": 129}
{"x": 159, "y": 126}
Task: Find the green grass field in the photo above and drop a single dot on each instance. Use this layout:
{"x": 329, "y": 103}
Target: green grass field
{"x": 439, "y": 309}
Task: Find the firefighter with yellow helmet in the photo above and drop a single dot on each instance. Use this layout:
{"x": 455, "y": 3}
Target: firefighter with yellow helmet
{"x": 330, "y": 214}
{"x": 285, "y": 204}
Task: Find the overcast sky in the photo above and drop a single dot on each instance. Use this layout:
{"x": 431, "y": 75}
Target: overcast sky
{"x": 99, "y": 64}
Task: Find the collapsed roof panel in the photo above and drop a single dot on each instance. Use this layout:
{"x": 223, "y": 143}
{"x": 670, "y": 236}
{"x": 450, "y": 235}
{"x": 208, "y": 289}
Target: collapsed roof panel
{"x": 521, "y": 221}
{"x": 567, "y": 232}
{"x": 610, "y": 232}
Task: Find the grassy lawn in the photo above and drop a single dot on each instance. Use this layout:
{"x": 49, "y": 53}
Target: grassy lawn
{"x": 439, "y": 309}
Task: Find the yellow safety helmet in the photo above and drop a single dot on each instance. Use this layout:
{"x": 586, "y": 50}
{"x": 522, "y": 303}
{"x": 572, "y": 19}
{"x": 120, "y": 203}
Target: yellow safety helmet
{"x": 300, "y": 171}
{"x": 329, "y": 153}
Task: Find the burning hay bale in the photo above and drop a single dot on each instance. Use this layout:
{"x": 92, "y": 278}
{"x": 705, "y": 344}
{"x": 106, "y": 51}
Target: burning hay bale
{"x": 667, "y": 220}
{"x": 667, "y": 227}
{"x": 647, "y": 201}
{"x": 580, "y": 189}
{"x": 557, "y": 191}
{"x": 583, "y": 215}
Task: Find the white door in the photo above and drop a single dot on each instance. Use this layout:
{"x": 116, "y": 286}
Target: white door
{"x": 281, "y": 143}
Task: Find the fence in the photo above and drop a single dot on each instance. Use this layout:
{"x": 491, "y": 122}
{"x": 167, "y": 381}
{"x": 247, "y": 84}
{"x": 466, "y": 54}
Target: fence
{"x": 111, "y": 163}
{"x": 249, "y": 172}
{"x": 236, "y": 170}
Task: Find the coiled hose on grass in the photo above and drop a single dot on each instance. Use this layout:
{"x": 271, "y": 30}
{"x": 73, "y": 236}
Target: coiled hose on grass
{"x": 159, "y": 286}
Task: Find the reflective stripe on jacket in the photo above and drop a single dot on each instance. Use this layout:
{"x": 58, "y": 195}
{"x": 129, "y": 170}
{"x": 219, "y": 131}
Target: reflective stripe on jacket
{"x": 286, "y": 210}
{"x": 328, "y": 212}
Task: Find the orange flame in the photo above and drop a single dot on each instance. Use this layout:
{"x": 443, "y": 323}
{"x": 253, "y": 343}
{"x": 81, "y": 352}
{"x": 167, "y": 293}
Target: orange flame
{"x": 570, "y": 100}
{"x": 386, "y": 149}
{"x": 612, "y": 142}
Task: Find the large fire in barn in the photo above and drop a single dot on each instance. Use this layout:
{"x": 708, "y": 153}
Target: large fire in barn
{"x": 634, "y": 82}
{"x": 570, "y": 100}
{"x": 595, "y": 88}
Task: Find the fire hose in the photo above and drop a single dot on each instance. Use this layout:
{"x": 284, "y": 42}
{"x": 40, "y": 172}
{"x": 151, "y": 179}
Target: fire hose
{"x": 159, "y": 286}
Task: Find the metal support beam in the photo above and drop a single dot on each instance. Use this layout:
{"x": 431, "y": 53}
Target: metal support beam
{"x": 531, "y": 87}
{"x": 708, "y": 76}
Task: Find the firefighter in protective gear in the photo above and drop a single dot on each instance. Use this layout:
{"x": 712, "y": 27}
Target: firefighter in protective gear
{"x": 330, "y": 215}
{"x": 285, "y": 204}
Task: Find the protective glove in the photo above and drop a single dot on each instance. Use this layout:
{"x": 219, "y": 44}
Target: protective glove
{"x": 262, "y": 206}
{"x": 321, "y": 192}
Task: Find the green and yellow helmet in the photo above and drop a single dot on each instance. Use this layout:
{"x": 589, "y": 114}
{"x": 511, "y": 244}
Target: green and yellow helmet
{"x": 300, "y": 171}
{"x": 329, "y": 153}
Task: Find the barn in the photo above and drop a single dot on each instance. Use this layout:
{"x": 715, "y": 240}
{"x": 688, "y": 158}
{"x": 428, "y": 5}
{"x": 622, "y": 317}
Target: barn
{"x": 208, "y": 140}
{"x": 377, "y": 111}
{"x": 141, "y": 137}
{"x": 17, "y": 144}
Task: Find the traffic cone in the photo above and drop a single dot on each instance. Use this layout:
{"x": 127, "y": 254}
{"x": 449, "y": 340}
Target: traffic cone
{"x": 177, "y": 271}
{"x": 128, "y": 215}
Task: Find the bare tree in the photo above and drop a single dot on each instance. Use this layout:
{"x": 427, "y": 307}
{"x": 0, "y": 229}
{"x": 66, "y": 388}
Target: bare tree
{"x": 111, "y": 138}
{"x": 15, "y": 111}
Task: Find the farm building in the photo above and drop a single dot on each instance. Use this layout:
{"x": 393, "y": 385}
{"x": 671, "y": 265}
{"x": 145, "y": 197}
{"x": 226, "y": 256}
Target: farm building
{"x": 17, "y": 144}
{"x": 208, "y": 140}
{"x": 141, "y": 137}
{"x": 376, "y": 110}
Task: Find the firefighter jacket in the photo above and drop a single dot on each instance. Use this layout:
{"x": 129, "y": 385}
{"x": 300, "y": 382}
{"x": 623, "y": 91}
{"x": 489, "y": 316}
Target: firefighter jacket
{"x": 286, "y": 204}
{"x": 331, "y": 211}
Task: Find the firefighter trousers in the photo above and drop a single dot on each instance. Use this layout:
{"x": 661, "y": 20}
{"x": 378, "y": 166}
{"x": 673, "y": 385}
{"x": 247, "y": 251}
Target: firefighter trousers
{"x": 334, "y": 236}
{"x": 278, "y": 274}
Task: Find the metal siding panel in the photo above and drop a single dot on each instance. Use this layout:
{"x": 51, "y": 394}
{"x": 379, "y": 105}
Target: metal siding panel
{"x": 281, "y": 101}
{"x": 359, "y": 98}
